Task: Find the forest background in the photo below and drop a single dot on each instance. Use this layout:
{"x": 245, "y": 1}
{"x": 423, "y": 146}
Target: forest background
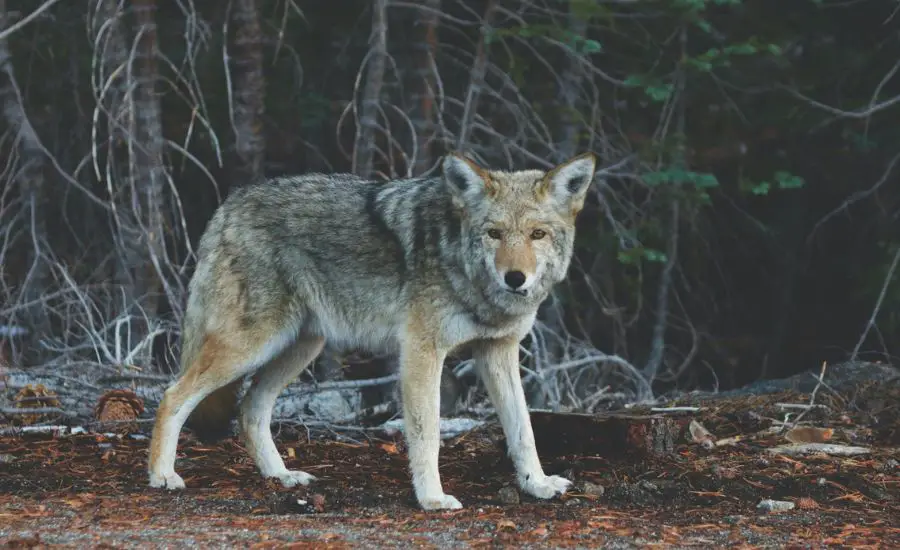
{"x": 745, "y": 221}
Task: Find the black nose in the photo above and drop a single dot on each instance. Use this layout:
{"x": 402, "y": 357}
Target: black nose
{"x": 514, "y": 279}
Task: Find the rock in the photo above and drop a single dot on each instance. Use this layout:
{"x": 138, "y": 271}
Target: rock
{"x": 508, "y": 495}
{"x": 769, "y": 505}
{"x": 593, "y": 489}
{"x": 330, "y": 406}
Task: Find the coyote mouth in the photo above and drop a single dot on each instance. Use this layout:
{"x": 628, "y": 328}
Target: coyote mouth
{"x": 517, "y": 292}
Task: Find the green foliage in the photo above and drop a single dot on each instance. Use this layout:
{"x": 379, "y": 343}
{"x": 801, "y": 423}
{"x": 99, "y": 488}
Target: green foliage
{"x": 714, "y": 58}
{"x": 579, "y": 44}
{"x": 634, "y": 255}
{"x": 782, "y": 180}
{"x": 678, "y": 175}
{"x": 587, "y": 10}
{"x": 655, "y": 89}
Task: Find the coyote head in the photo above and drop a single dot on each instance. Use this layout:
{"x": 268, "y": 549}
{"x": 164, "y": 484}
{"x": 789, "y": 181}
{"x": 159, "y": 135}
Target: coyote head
{"x": 518, "y": 228}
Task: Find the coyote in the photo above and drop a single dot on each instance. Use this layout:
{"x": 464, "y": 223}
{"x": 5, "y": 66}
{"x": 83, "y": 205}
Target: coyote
{"x": 415, "y": 267}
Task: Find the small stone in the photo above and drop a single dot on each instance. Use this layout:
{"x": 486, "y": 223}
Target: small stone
{"x": 647, "y": 485}
{"x": 593, "y": 489}
{"x": 6, "y": 459}
{"x": 508, "y": 495}
{"x": 769, "y": 505}
{"x": 890, "y": 465}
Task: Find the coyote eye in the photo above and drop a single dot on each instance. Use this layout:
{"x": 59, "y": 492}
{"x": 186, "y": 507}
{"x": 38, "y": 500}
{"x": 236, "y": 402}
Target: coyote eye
{"x": 494, "y": 234}
{"x": 538, "y": 234}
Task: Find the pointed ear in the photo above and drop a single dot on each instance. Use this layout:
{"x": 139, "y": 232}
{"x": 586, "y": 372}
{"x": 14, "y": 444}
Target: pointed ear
{"x": 465, "y": 178}
{"x": 568, "y": 183}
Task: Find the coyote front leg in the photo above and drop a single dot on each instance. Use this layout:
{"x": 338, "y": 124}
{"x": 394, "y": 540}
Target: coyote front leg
{"x": 497, "y": 362}
{"x": 420, "y": 375}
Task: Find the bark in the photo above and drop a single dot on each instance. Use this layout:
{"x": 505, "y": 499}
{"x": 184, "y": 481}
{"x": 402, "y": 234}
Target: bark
{"x": 144, "y": 251}
{"x": 425, "y": 84}
{"x": 249, "y": 92}
{"x": 607, "y": 435}
{"x": 33, "y": 191}
{"x": 476, "y": 82}
{"x": 367, "y": 121}
{"x": 112, "y": 83}
{"x": 570, "y": 86}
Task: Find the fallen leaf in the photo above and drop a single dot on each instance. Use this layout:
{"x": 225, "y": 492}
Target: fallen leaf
{"x": 506, "y": 524}
{"x": 389, "y": 448}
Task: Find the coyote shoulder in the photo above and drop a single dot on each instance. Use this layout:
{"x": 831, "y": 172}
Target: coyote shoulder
{"x": 415, "y": 267}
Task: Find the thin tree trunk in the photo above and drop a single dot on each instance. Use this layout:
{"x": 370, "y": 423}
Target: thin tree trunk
{"x": 367, "y": 121}
{"x": 570, "y": 86}
{"x": 425, "y": 84}
{"x": 553, "y": 314}
{"x": 249, "y": 92}
{"x": 33, "y": 189}
{"x": 111, "y": 85}
{"x": 476, "y": 82}
{"x": 145, "y": 254}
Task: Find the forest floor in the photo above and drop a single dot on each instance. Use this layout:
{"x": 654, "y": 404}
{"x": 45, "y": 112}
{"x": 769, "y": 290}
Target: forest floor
{"x": 89, "y": 489}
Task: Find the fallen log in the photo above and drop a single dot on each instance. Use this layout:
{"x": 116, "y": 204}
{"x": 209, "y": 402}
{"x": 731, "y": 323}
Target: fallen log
{"x": 609, "y": 434}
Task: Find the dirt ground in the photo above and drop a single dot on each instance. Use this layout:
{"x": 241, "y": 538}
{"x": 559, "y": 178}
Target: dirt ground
{"x": 89, "y": 490}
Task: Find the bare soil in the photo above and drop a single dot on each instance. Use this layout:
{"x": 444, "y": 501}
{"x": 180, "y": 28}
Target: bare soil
{"x": 90, "y": 490}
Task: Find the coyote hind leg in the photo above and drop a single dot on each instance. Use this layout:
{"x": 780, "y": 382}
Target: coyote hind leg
{"x": 219, "y": 362}
{"x": 256, "y": 409}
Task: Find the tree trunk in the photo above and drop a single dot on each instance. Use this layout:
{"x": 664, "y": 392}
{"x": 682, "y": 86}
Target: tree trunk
{"x": 571, "y": 79}
{"x": 249, "y": 92}
{"x": 367, "y": 119}
{"x": 144, "y": 238}
{"x": 33, "y": 191}
{"x": 476, "y": 82}
{"x": 552, "y": 312}
{"x": 112, "y": 82}
{"x": 425, "y": 85}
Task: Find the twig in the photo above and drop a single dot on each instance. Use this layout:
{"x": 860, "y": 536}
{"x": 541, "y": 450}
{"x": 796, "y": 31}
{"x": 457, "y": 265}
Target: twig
{"x": 135, "y": 377}
{"x": 27, "y": 19}
{"x": 674, "y": 409}
{"x": 801, "y": 406}
{"x": 884, "y": 287}
{"x": 827, "y": 448}
{"x": 812, "y": 396}
{"x": 11, "y": 411}
{"x": 344, "y": 384}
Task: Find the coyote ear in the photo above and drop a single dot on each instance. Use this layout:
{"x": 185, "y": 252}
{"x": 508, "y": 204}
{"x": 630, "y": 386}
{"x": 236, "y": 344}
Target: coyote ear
{"x": 568, "y": 183}
{"x": 463, "y": 176}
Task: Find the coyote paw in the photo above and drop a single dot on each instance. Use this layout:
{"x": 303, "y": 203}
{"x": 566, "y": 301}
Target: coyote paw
{"x": 545, "y": 486}
{"x": 292, "y": 478}
{"x": 172, "y": 481}
{"x": 440, "y": 502}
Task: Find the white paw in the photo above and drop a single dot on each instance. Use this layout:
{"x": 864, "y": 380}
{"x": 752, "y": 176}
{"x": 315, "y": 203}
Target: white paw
{"x": 440, "y": 502}
{"x": 545, "y": 486}
{"x": 170, "y": 481}
{"x": 292, "y": 478}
